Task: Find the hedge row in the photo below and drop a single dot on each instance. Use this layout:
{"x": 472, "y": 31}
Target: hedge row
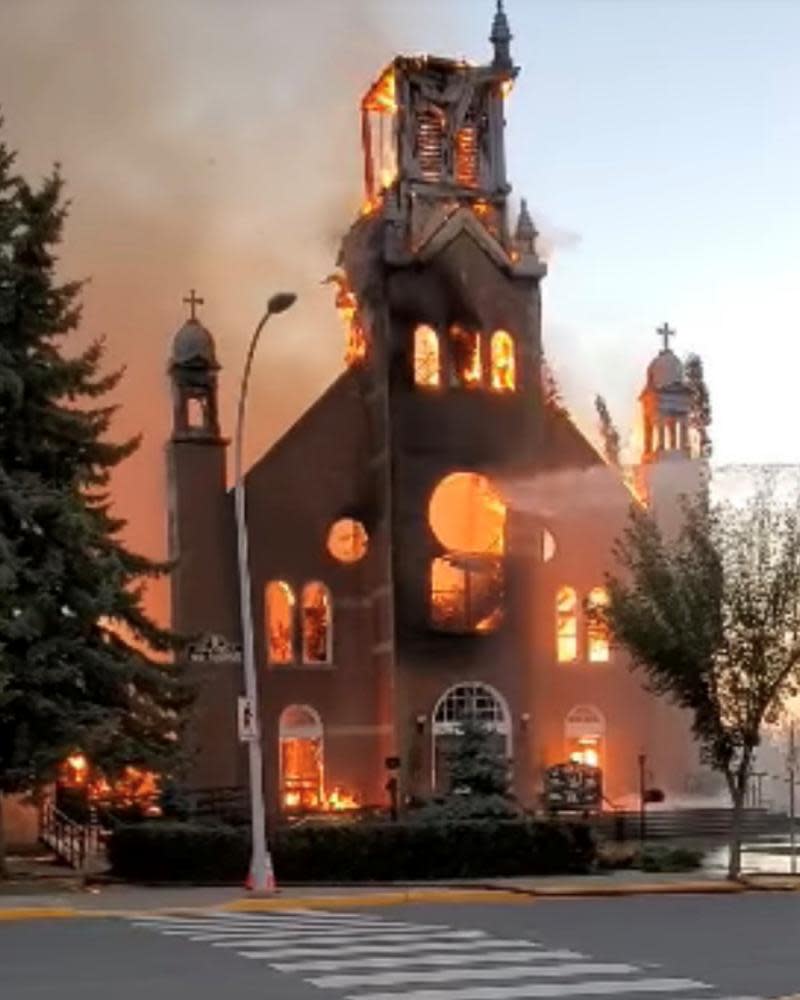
{"x": 184, "y": 852}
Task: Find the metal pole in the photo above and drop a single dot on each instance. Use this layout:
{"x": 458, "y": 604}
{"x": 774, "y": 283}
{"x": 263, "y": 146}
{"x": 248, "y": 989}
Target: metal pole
{"x": 792, "y": 834}
{"x": 642, "y": 828}
{"x": 261, "y": 873}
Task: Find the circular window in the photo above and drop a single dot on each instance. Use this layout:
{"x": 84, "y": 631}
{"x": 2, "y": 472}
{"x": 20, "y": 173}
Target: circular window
{"x": 467, "y": 514}
{"x": 347, "y": 540}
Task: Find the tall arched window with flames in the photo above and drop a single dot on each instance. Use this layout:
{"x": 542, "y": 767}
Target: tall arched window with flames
{"x": 566, "y": 625}
{"x": 427, "y": 360}
{"x": 504, "y": 374}
{"x": 301, "y": 759}
{"x": 597, "y": 639}
{"x": 279, "y": 617}
{"x": 316, "y": 616}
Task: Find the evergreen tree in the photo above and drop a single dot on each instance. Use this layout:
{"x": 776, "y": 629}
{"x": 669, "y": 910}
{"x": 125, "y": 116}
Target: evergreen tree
{"x": 608, "y": 431}
{"x": 700, "y": 403}
{"x": 476, "y": 766}
{"x": 78, "y": 654}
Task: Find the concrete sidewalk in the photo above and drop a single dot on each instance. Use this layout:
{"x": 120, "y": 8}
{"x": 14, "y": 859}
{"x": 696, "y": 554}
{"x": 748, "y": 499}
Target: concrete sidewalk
{"x": 118, "y": 899}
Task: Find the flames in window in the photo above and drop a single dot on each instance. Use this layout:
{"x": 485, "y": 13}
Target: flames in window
{"x": 466, "y": 592}
{"x": 430, "y": 143}
{"x": 468, "y": 517}
{"x": 427, "y": 366}
{"x": 467, "y": 155}
{"x": 347, "y": 306}
{"x": 316, "y": 623}
{"x": 597, "y": 636}
{"x": 279, "y": 614}
{"x": 466, "y": 346}
{"x": 566, "y": 625}
{"x": 504, "y": 376}
{"x": 348, "y": 540}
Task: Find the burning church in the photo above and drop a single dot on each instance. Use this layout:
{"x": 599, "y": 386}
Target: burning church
{"x": 427, "y": 540}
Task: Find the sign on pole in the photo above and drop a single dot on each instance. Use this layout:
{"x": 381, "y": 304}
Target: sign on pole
{"x": 247, "y": 721}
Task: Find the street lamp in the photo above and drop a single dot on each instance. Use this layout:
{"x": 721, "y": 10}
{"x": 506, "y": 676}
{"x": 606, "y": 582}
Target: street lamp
{"x": 262, "y": 878}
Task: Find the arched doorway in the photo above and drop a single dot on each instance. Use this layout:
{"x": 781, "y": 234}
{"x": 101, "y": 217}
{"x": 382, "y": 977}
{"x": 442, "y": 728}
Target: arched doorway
{"x": 584, "y": 734}
{"x": 472, "y": 701}
{"x": 301, "y": 759}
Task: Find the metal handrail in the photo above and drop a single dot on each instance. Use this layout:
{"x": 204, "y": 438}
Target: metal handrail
{"x": 72, "y": 842}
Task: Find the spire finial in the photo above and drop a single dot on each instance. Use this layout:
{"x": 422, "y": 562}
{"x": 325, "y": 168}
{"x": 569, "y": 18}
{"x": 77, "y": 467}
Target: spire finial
{"x": 501, "y": 39}
{"x": 193, "y": 300}
{"x": 665, "y": 332}
{"x": 525, "y": 233}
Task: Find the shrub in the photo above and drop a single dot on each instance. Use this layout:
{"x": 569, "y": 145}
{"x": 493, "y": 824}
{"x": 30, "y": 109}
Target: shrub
{"x": 669, "y": 859}
{"x": 378, "y": 852}
{"x": 178, "y": 852}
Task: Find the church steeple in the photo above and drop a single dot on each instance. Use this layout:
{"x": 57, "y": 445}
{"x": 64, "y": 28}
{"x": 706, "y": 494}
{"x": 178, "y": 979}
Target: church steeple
{"x": 193, "y": 370}
{"x": 665, "y": 400}
{"x": 501, "y": 40}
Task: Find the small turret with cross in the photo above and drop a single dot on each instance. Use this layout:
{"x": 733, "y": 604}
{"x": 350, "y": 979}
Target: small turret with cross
{"x": 193, "y": 300}
{"x": 665, "y": 331}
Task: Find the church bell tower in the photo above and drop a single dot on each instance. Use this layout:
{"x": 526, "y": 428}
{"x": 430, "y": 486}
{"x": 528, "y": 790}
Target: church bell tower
{"x": 199, "y": 514}
{"x": 447, "y": 308}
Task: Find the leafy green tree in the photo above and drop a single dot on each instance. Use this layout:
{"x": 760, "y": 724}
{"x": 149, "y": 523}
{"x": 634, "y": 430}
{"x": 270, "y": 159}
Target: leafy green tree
{"x": 712, "y": 617}
{"x": 80, "y": 663}
{"x": 608, "y": 431}
{"x": 700, "y": 403}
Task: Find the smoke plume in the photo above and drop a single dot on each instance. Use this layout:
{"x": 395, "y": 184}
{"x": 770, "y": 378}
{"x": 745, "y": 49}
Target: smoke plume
{"x": 212, "y": 144}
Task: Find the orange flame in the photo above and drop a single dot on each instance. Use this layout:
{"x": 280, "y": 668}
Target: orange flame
{"x": 347, "y": 306}
{"x": 383, "y": 95}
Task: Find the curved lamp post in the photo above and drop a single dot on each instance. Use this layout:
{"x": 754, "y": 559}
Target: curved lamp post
{"x": 262, "y": 878}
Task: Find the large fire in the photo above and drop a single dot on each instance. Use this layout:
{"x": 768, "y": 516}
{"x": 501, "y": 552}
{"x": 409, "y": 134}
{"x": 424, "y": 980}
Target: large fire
{"x": 379, "y": 109}
{"x": 347, "y": 306}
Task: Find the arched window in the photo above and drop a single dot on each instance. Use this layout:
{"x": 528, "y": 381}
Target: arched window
{"x": 566, "y": 625}
{"x": 504, "y": 375}
{"x": 584, "y": 730}
{"x": 597, "y": 644}
{"x": 427, "y": 364}
{"x": 467, "y": 356}
{"x": 469, "y": 702}
{"x": 317, "y": 629}
{"x": 301, "y": 759}
{"x": 279, "y": 616}
{"x": 548, "y": 545}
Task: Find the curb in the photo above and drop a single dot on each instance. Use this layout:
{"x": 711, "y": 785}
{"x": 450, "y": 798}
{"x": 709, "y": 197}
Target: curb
{"x": 483, "y": 894}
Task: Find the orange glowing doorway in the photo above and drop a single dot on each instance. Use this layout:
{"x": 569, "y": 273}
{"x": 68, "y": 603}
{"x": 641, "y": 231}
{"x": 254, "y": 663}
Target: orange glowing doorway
{"x": 301, "y": 759}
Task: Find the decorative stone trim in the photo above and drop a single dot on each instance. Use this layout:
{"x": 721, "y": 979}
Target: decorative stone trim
{"x": 212, "y": 648}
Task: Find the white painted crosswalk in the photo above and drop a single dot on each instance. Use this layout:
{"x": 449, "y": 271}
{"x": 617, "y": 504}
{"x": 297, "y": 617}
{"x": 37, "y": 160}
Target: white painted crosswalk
{"x": 366, "y": 957}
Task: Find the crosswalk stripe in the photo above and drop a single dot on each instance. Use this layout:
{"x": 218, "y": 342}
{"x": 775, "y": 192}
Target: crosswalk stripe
{"x": 459, "y": 960}
{"x": 604, "y": 987}
{"x": 343, "y": 982}
{"x": 171, "y": 923}
{"x": 410, "y": 937}
{"x": 343, "y": 937}
{"x": 239, "y": 930}
{"x": 303, "y": 951}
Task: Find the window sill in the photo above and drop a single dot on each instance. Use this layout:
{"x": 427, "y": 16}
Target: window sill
{"x": 296, "y": 667}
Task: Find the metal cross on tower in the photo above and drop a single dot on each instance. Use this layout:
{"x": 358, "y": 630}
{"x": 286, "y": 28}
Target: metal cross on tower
{"x": 193, "y": 300}
{"x": 666, "y": 332}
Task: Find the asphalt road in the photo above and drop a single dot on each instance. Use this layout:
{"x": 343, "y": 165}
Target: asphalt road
{"x": 676, "y": 947}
